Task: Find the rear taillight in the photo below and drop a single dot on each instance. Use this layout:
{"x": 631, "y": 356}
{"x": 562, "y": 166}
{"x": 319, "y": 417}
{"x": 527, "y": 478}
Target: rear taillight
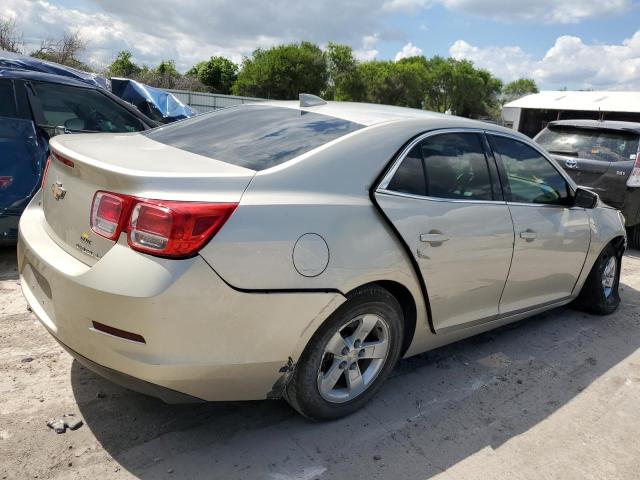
{"x": 163, "y": 228}
{"x": 108, "y": 214}
{"x": 634, "y": 179}
{"x": 46, "y": 170}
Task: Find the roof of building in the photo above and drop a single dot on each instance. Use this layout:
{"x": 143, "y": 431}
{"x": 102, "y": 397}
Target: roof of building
{"x": 590, "y": 101}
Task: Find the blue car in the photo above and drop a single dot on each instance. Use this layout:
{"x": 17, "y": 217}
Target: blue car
{"x": 35, "y": 106}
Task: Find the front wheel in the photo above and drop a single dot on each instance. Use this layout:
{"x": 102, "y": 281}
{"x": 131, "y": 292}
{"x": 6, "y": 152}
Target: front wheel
{"x": 599, "y": 294}
{"x": 349, "y": 358}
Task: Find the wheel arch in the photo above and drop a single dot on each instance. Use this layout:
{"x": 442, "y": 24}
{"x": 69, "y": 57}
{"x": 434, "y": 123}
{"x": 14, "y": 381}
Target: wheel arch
{"x": 408, "y": 304}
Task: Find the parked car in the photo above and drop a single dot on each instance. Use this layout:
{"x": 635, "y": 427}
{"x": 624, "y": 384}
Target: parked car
{"x": 603, "y": 156}
{"x": 35, "y": 106}
{"x": 299, "y": 250}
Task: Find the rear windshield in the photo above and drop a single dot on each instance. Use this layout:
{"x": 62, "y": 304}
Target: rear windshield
{"x": 605, "y": 145}
{"x": 253, "y": 136}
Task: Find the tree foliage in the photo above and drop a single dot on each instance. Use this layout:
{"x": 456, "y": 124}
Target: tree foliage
{"x": 10, "y": 37}
{"x": 123, "y": 66}
{"x": 65, "y": 50}
{"x": 217, "y": 73}
{"x": 344, "y": 81}
{"x": 282, "y": 72}
{"x": 519, "y": 88}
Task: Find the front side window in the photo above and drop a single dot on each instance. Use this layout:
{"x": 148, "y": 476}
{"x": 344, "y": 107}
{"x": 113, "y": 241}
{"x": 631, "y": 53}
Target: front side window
{"x": 531, "y": 178}
{"x": 594, "y": 144}
{"x": 83, "y": 109}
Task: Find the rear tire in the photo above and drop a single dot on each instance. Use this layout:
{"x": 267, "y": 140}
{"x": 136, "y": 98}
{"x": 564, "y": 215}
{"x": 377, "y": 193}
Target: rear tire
{"x": 361, "y": 362}
{"x": 599, "y": 294}
{"x": 633, "y": 236}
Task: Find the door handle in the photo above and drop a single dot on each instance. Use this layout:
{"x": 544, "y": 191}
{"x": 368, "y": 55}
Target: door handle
{"x": 433, "y": 237}
{"x": 528, "y": 235}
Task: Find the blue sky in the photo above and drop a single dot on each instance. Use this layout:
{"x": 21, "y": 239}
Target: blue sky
{"x": 573, "y": 43}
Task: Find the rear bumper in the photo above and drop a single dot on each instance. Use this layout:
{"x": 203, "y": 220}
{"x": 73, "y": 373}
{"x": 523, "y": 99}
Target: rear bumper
{"x": 202, "y": 338}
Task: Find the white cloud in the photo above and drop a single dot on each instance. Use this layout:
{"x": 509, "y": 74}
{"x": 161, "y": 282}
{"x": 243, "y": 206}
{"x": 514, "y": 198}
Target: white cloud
{"x": 409, "y": 50}
{"x": 368, "y": 50}
{"x": 569, "y": 62}
{"x": 194, "y": 29}
{"x": 550, "y": 11}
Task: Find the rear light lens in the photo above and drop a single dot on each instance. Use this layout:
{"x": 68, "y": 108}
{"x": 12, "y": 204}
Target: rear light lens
{"x": 162, "y": 228}
{"x": 634, "y": 179}
{"x": 107, "y": 214}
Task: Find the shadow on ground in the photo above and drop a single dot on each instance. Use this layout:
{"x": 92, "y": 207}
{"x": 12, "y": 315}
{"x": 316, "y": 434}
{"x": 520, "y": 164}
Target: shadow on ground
{"x": 438, "y": 408}
{"x": 8, "y": 265}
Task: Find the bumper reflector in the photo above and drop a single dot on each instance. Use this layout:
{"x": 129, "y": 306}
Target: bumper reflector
{"x": 116, "y": 332}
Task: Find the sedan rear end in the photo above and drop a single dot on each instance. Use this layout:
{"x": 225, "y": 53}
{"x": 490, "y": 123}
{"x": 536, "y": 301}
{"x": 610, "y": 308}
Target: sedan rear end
{"x": 109, "y": 261}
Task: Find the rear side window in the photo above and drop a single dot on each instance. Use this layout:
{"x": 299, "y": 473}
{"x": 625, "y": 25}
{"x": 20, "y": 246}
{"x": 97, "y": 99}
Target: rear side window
{"x": 604, "y": 145}
{"x": 409, "y": 177}
{"x": 448, "y": 166}
{"x": 8, "y": 106}
{"x": 456, "y": 167}
{"x": 253, "y": 136}
{"x": 83, "y": 109}
{"x": 530, "y": 177}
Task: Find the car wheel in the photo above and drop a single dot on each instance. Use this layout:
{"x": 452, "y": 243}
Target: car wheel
{"x": 599, "y": 294}
{"x": 633, "y": 236}
{"x": 350, "y": 356}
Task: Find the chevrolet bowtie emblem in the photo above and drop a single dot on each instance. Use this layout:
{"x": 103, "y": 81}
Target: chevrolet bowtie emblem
{"x": 58, "y": 191}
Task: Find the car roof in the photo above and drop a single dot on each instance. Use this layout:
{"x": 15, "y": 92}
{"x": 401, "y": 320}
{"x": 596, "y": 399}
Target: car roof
{"x": 599, "y": 125}
{"x": 19, "y": 74}
{"x": 368, "y": 114}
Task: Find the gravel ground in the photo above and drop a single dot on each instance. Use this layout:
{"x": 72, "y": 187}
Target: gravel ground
{"x": 552, "y": 397}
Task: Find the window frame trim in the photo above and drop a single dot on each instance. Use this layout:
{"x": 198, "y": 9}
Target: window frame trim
{"x": 492, "y": 168}
{"x": 502, "y": 170}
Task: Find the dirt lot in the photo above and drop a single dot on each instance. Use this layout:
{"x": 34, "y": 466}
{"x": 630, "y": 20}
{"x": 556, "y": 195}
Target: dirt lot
{"x": 556, "y": 396}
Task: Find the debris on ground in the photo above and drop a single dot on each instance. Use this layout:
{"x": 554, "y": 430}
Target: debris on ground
{"x": 68, "y": 420}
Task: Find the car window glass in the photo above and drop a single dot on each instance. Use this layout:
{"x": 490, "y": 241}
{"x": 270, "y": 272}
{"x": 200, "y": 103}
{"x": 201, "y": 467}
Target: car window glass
{"x": 605, "y": 145}
{"x": 530, "y": 176}
{"x": 253, "y": 136}
{"x": 456, "y": 167}
{"x": 83, "y": 109}
{"x": 7, "y": 100}
{"x": 409, "y": 177}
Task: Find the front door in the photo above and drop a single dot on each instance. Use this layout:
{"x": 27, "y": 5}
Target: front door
{"x": 445, "y": 200}
{"x": 551, "y": 237}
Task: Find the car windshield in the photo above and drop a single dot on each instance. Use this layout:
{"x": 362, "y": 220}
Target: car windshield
{"x": 605, "y": 145}
{"x": 253, "y": 136}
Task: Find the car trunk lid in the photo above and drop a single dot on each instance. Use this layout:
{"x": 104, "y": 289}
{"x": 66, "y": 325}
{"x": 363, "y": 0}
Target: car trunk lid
{"x": 129, "y": 164}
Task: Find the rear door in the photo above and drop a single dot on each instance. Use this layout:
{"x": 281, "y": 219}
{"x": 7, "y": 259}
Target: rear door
{"x": 551, "y": 237}
{"x": 444, "y": 198}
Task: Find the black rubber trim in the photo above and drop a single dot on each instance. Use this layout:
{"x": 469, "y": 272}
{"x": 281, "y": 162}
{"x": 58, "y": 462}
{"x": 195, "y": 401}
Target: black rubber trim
{"x": 272, "y": 290}
{"x": 165, "y": 394}
{"x": 414, "y": 262}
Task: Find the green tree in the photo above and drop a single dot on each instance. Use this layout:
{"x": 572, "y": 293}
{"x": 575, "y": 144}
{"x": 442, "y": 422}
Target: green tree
{"x": 344, "y": 81}
{"x": 217, "y": 73}
{"x": 284, "y": 71}
{"x": 394, "y": 83}
{"x": 123, "y": 66}
{"x": 519, "y": 88}
{"x": 167, "y": 68}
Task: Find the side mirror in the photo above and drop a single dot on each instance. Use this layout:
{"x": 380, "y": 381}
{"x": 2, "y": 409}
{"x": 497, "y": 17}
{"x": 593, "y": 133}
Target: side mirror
{"x": 584, "y": 198}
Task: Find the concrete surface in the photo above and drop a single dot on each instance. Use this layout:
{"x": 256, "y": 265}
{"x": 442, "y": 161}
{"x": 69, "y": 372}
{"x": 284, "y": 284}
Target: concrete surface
{"x": 553, "y": 397}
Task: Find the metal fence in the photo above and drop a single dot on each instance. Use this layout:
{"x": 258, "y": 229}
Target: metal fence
{"x": 205, "y": 102}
